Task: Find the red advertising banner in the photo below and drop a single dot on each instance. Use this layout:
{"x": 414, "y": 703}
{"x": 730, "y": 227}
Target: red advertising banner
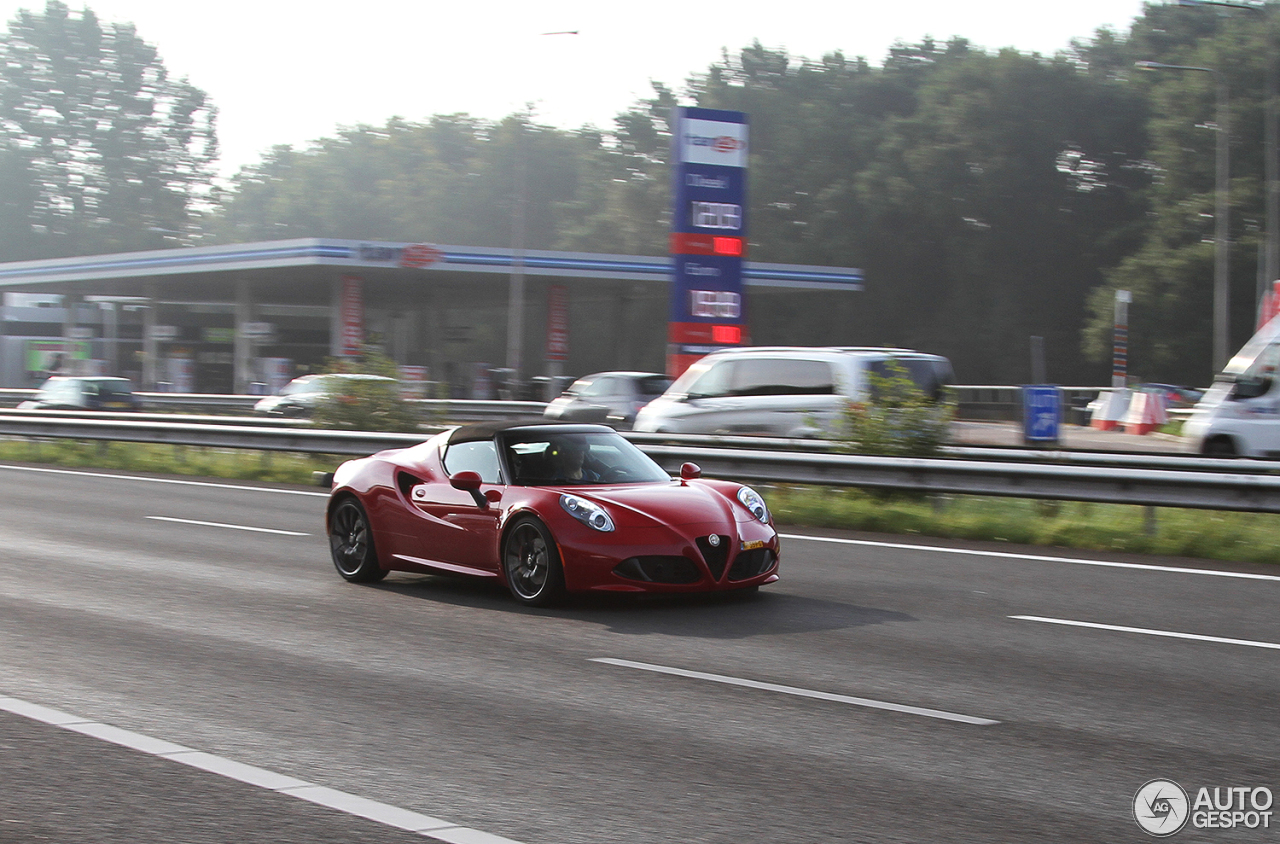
{"x": 352, "y": 315}
{"x": 557, "y": 322}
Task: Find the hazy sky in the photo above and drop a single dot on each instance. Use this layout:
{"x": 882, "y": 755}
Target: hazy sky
{"x": 289, "y": 71}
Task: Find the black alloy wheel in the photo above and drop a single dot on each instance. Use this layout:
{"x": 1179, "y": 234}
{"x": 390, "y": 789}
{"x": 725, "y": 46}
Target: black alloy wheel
{"x": 351, "y": 542}
{"x": 531, "y": 563}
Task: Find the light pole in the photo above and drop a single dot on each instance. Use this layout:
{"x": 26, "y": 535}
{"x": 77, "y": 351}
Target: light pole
{"x": 515, "y": 291}
{"x": 1271, "y": 166}
{"x": 1221, "y": 299}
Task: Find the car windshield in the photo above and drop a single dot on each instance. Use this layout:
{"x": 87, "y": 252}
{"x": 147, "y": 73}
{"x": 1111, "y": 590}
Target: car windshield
{"x": 653, "y": 385}
{"x": 297, "y": 386}
{"x": 540, "y": 458}
{"x": 114, "y": 389}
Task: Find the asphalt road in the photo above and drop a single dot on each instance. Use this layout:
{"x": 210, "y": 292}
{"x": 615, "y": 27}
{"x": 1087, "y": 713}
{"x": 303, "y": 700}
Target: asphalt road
{"x": 885, "y": 690}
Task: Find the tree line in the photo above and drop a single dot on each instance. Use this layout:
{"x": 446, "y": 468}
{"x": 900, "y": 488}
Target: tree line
{"x": 989, "y": 196}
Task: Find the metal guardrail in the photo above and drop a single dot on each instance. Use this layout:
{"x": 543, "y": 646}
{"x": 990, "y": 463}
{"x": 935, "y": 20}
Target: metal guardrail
{"x": 136, "y": 416}
{"x": 976, "y": 402}
{"x": 256, "y": 438}
{"x": 1224, "y": 489}
{"x": 819, "y": 446}
{"x": 462, "y": 410}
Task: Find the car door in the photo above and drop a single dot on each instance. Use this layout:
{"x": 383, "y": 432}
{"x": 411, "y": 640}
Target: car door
{"x": 781, "y": 396}
{"x": 595, "y": 400}
{"x": 463, "y": 535}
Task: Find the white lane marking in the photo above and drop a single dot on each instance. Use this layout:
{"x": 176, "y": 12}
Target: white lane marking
{"x": 798, "y": 692}
{"x": 231, "y": 527}
{"x": 350, "y": 804}
{"x": 162, "y": 480}
{"x": 1169, "y": 633}
{"x": 1037, "y": 557}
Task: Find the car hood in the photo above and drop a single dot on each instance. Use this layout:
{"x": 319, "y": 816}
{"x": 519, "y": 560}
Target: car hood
{"x": 671, "y": 504}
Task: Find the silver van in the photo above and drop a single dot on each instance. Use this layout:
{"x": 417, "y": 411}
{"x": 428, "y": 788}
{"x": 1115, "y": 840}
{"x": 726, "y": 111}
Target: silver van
{"x": 781, "y": 391}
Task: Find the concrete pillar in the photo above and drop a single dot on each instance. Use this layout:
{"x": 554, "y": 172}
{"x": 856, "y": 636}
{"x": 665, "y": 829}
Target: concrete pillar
{"x": 111, "y": 336}
{"x": 625, "y": 321}
{"x": 430, "y": 327}
{"x": 150, "y": 348}
{"x": 335, "y": 317}
{"x": 244, "y": 347}
{"x": 70, "y": 322}
{"x": 405, "y": 327}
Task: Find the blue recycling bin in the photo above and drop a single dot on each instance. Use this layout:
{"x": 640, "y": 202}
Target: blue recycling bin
{"x": 1041, "y": 414}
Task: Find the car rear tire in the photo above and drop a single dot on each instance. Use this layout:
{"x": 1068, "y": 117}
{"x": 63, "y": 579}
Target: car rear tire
{"x": 532, "y": 564}
{"x": 351, "y": 543}
{"x": 1220, "y": 447}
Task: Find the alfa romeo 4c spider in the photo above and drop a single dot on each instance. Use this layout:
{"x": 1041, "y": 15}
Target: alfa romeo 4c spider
{"x": 547, "y": 509}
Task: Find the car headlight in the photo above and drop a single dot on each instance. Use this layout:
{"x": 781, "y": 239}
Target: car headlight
{"x": 753, "y": 502}
{"x": 588, "y": 512}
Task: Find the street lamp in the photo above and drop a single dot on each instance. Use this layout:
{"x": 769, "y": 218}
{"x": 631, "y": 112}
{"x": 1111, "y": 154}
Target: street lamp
{"x": 515, "y": 292}
{"x": 1222, "y": 162}
{"x": 1270, "y": 141}
{"x": 515, "y": 288}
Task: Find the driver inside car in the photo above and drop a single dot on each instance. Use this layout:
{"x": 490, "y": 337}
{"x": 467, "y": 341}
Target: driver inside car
{"x": 569, "y": 457}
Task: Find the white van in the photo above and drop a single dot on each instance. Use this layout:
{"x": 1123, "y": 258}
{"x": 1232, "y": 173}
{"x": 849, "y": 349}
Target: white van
{"x": 781, "y": 391}
{"x": 1240, "y": 413}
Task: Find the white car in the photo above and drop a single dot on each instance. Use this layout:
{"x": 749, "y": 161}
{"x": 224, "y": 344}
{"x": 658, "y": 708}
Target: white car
{"x": 301, "y": 395}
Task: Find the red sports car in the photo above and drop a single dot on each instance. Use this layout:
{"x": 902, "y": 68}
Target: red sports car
{"x": 547, "y": 509}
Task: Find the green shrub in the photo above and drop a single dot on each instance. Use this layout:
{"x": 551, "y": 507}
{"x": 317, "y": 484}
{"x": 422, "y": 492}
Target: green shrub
{"x": 366, "y": 405}
{"x": 897, "y": 418}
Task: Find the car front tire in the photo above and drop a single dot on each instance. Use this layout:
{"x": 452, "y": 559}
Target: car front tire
{"x": 532, "y": 564}
{"x": 351, "y": 543}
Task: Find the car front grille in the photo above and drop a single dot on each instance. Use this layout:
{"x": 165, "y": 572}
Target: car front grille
{"x": 659, "y": 569}
{"x": 751, "y": 563}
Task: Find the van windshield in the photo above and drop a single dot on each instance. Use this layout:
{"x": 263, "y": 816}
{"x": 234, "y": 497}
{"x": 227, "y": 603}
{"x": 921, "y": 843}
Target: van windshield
{"x": 685, "y": 382}
{"x": 1248, "y": 356}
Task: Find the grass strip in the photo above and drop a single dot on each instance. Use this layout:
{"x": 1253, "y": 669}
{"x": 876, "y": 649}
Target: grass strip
{"x": 1208, "y": 534}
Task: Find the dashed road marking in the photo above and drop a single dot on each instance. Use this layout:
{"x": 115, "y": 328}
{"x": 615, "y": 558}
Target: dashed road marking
{"x": 178, "y": 481}
{"x": 230, "y": 527}
{"x": 1148, "y": 632}
{"x": 973, "y": 552}
{"x": 798, "y": 692}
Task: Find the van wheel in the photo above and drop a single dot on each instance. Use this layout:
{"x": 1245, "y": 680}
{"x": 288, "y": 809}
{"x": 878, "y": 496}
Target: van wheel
{"x": 1219, "y": 447}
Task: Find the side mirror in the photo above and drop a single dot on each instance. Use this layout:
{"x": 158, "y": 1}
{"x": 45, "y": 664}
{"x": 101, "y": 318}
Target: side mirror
{"x": 469, "y": 482}
{"x": 465, "y": 481}
{"x": 689, "y": 471}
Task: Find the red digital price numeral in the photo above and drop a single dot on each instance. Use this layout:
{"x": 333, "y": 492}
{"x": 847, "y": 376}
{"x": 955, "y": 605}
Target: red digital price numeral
{"x": 727, "y": 334}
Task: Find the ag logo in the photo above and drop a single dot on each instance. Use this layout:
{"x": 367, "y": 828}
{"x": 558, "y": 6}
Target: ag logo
{"x": 727, "y": 143}
{"x": 419, "y": 255}
{"x": 1161, "y": 808}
